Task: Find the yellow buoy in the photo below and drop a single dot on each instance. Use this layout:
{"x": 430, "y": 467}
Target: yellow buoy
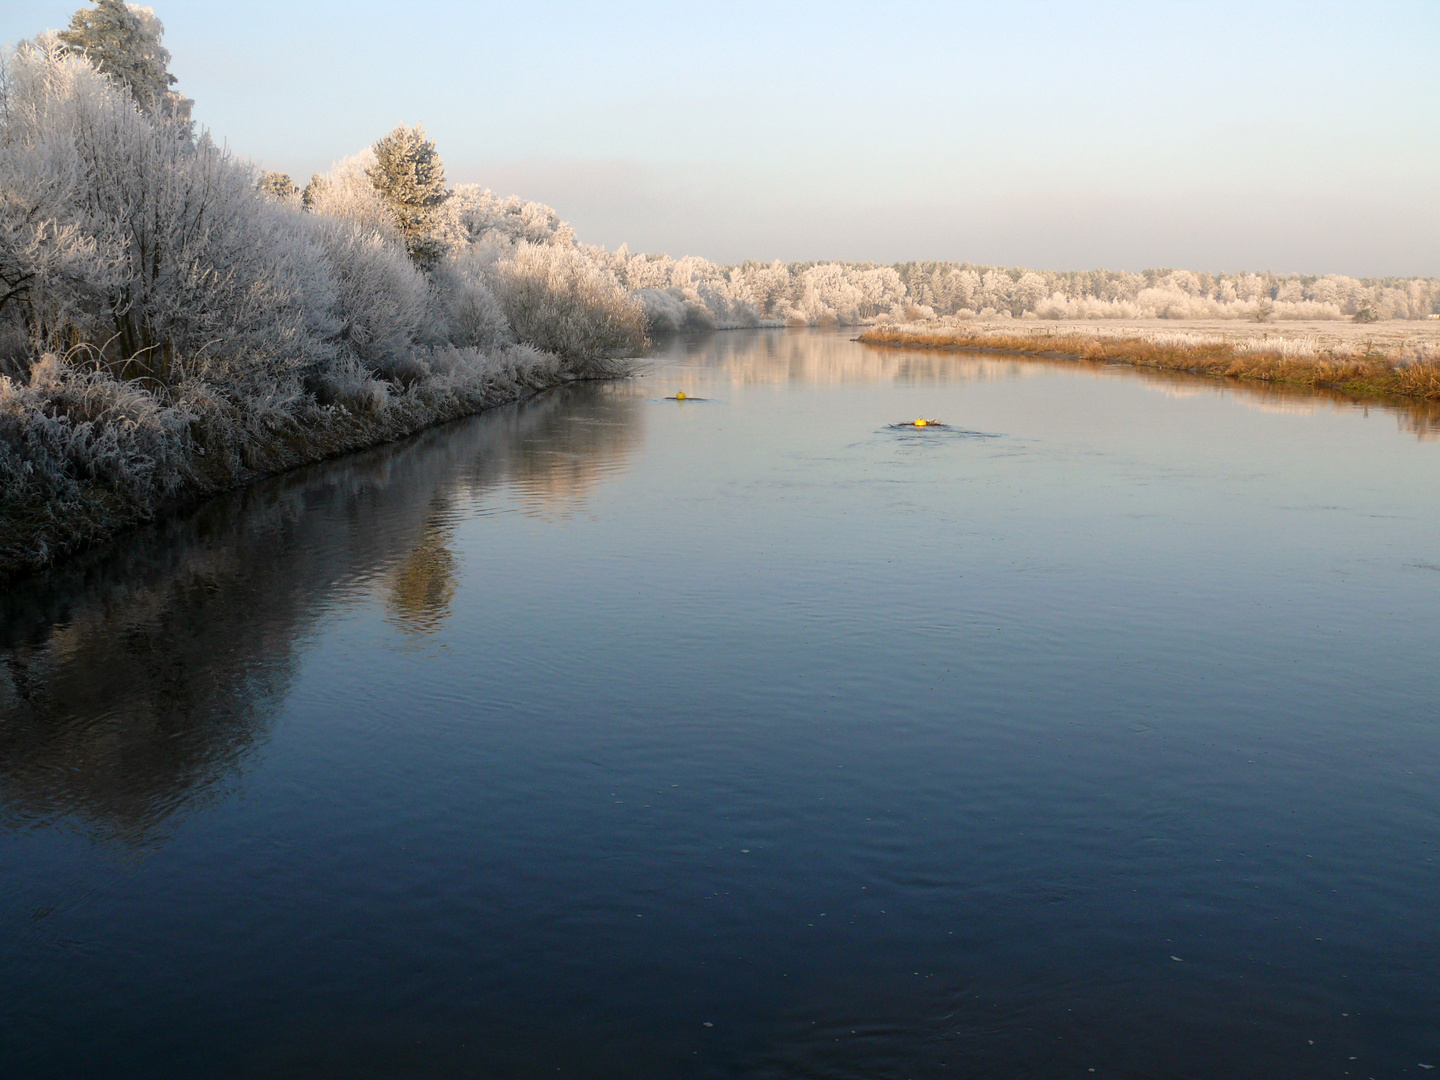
{"x": 920, "y": 422}
{"x": 680, "y": 395}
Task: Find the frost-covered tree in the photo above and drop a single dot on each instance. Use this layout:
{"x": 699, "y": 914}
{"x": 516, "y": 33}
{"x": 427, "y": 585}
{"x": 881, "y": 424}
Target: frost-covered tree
{"x": 167, "y": 325}
{"x": 277, "y": 185}
{"x": 313, "y": 191}
{"x": 123, "y": 41}
{"x": 148, "y": 245}
{"x": 481, "y": 216}
{"x": 410, "y": 178}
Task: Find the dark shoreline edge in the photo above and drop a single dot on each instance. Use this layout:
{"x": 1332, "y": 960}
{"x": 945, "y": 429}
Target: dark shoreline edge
{"x": 335, "y": 435}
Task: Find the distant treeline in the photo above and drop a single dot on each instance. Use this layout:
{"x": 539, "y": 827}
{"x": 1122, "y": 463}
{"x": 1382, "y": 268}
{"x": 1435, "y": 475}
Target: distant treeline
{"x": 694, "y": 292}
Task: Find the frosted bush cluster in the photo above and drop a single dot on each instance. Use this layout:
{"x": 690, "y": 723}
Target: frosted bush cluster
{"x": 171, "y": 319}
{"x": 478, "y": 215}
{"x": 694, "y": 293}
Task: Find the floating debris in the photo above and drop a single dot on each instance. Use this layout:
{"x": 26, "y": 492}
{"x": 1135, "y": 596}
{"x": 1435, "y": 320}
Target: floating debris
{"x": 919, "y": 422}
{"x": 680, "y": 395}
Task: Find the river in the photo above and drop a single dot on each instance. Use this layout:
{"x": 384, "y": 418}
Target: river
{"x": 611, "y": 735}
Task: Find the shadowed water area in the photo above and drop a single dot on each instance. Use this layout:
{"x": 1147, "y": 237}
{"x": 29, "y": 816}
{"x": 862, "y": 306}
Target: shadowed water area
{"x": 606, "y": 735}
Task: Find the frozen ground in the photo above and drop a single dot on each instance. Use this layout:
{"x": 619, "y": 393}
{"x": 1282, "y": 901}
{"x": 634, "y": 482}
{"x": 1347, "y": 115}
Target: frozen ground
{"x": 1395, "y": 339}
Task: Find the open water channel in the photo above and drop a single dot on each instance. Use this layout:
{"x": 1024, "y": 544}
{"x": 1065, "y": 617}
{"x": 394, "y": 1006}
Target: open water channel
{"x": 1095, "y": 733}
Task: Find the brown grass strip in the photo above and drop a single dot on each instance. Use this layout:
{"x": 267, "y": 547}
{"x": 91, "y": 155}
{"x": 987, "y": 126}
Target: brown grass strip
{"x": 1361, "y": 377}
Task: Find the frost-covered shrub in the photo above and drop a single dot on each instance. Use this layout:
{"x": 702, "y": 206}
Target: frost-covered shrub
{"x": 345, "y": 192}
{"x": 381, "y": 299}
{"x": 560, "y": 301}
{"x": 464, "y": 309}
{"x": 670, "y": 311}
{"x": 67, "y": 431}
{"x": 468, "y": 370}
{"x": 173, "y": 320}
{"x": 479, "y": 215}
{"x": 694, "y": 294}
{"x": 353, "y": 386}
{"x": 153, "y": 247}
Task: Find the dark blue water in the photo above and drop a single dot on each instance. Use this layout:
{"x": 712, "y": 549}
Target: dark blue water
{"x": 611, "y": 736}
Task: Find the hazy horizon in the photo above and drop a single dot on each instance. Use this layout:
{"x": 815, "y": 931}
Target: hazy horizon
{"x": 1223, "y": 137}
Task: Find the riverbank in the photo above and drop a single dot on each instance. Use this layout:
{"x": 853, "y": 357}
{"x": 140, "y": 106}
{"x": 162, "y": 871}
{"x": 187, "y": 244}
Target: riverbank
{"x": 101, "y": 454}
{"x": 1363, "y": 360}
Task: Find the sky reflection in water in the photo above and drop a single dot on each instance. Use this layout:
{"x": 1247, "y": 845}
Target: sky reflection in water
{"x": 546, "y": 739}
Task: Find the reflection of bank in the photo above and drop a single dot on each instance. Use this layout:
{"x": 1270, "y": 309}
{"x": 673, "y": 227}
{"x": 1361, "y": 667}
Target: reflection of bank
{"x": 135, "y": 681}
{"x": 767, "y": 357}
{"x": 554, "y": 451}
{"x": 146, "y": 696}
{"x": 1422, "y": 420}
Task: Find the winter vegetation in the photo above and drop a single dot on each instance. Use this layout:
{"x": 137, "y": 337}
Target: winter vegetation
{"x": 1366, "y": 361}
{"x": 175, "y": 320}
{"x": 693, "y": 293}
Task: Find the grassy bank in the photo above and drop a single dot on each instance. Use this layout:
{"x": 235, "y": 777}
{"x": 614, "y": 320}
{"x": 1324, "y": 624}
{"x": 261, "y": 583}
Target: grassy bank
{"x": 131, "y": 456}
{"x": 1409, "y": 369}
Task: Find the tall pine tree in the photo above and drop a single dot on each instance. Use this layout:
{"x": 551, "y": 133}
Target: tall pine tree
{"x": 123, "y": 42}
{"x": 410, "y": 178}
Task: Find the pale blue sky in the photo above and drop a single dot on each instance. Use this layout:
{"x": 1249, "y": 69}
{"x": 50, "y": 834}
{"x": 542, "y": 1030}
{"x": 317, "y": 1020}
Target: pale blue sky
{"x": 1217, "y": 135}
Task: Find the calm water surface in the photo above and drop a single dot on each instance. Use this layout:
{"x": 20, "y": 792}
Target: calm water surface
{"x": 613, "y": 736}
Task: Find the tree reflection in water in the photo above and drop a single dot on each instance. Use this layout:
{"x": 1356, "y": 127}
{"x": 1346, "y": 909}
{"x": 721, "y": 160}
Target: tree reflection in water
{"x": 424, "y": 584}
{"x": 136, "y": 680}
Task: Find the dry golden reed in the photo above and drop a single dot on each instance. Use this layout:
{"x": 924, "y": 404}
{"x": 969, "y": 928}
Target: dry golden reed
{"x": 1363, "y": 376}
